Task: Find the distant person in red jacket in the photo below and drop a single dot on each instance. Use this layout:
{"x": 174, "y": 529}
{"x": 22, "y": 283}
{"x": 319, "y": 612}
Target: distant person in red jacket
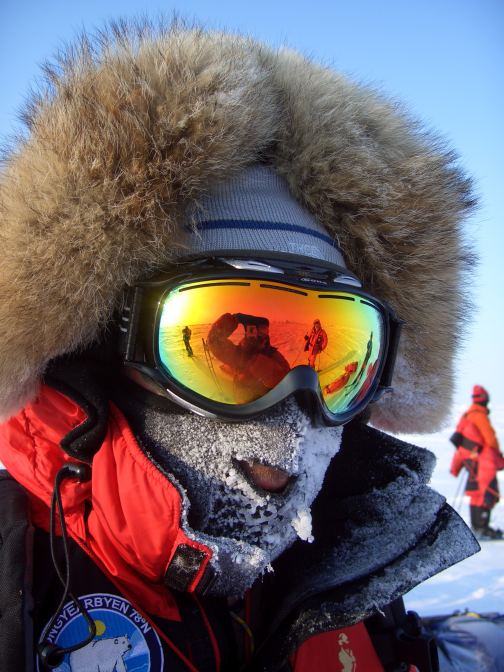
{"x": 254, "y": 363}
{"x": 478, "y": 451}
{"x": 316, "y": 341}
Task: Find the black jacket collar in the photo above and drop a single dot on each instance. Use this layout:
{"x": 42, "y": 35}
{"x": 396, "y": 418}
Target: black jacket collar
{"x": 379, "y": 531}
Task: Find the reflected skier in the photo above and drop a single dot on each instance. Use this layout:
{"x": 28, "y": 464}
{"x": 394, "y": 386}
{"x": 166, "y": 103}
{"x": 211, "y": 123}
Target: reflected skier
{"x": 316, "y": 342}
{"x": 186, "y": 335}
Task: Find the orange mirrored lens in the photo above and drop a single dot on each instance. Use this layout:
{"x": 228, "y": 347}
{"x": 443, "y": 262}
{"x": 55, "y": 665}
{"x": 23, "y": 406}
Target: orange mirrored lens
{"x": 234, "y": 340}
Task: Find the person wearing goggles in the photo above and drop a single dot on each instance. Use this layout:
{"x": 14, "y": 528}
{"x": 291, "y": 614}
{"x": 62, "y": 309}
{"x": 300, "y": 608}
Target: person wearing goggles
{"x": 200, "y": 490}
{"x": 255, "y": 365}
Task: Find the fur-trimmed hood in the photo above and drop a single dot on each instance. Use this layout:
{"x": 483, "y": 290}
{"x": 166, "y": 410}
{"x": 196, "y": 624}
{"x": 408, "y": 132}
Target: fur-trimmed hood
{"x": 132, "y": 132}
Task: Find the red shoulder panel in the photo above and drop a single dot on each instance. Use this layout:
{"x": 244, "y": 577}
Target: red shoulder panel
{"x": 347, "y": 650}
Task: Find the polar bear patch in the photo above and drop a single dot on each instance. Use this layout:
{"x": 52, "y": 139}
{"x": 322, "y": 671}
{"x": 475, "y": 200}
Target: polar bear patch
{"x": 101, "y": 655}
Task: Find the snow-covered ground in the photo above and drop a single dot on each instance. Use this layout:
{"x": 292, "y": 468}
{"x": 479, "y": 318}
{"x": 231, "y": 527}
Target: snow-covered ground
{"x": 477, "y": 583}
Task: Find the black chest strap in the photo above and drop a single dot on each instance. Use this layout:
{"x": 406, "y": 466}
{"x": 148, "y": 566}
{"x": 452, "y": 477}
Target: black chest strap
{"x": 16, "y": 565}
{"x": 400, "y": 640}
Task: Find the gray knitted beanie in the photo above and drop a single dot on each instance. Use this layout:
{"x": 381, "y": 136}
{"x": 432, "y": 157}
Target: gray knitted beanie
{"x": 255, "y": 211}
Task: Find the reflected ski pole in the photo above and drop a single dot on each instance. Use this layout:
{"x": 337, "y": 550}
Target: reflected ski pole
{"x": 210, "y": 364}
{"x": 294, "y": 362}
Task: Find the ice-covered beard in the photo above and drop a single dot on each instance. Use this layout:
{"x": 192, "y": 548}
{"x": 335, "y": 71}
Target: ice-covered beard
{"x": 246, "y": 526}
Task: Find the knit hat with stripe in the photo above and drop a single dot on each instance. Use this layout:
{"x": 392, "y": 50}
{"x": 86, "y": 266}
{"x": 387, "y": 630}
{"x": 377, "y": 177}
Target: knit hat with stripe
{"x": 255, "y": 211}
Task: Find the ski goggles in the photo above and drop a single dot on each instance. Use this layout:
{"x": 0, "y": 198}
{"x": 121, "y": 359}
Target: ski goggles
{"x": 232, "y": 337}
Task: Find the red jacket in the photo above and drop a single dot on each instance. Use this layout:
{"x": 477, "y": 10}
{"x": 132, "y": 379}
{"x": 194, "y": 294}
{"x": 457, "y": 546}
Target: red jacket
{"x": 317, "y": 341}
{"x": 127, "y": 520}
{"x": 132, "y": 529}
{"x": 483, "y": 461}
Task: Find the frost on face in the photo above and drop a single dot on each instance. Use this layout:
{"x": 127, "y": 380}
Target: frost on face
{"x": 302, "y": 523}
{"x": 247, "y": 527}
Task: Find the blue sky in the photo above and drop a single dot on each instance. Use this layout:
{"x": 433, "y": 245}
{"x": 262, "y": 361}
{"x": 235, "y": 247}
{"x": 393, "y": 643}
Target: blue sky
{"x": 443, "y": 59}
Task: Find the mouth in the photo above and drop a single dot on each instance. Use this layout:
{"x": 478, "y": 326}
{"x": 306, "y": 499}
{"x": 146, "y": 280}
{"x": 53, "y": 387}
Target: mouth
{"x": 265, "y": 477}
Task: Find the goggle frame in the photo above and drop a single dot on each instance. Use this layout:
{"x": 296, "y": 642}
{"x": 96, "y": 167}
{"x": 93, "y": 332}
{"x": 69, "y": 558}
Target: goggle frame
{"x": 139, "y": 326}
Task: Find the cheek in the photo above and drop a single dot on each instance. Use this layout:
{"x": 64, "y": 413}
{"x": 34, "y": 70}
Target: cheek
{"x": 195, "y": 441}
{"x": 209, "y": 447}
{"x": 320, "y": 446}
{"x": 283, "y": 450}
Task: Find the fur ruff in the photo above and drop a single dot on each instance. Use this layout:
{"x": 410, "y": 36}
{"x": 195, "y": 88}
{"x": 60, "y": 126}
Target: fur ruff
{"x": 132, "y": 131}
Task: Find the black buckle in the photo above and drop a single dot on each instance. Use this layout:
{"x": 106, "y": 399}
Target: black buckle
{"x": 184, "y": 567}
{"x": 415, "y": 646}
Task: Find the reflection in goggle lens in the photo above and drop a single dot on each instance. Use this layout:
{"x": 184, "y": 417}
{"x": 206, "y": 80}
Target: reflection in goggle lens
{"x": 232, "y": 341}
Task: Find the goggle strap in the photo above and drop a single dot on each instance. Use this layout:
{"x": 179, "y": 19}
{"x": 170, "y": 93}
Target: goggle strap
{"x": 395, "y": 327}
{"x": 128, "y": 323}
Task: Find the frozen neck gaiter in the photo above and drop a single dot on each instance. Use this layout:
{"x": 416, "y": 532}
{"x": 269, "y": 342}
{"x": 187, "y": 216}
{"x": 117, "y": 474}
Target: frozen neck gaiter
{"x": 247, "y": 487}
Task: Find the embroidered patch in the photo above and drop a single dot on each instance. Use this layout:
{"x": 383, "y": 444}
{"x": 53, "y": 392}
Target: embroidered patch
{"x": 346, "y": 655}
{"x": 124, "y": 640}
